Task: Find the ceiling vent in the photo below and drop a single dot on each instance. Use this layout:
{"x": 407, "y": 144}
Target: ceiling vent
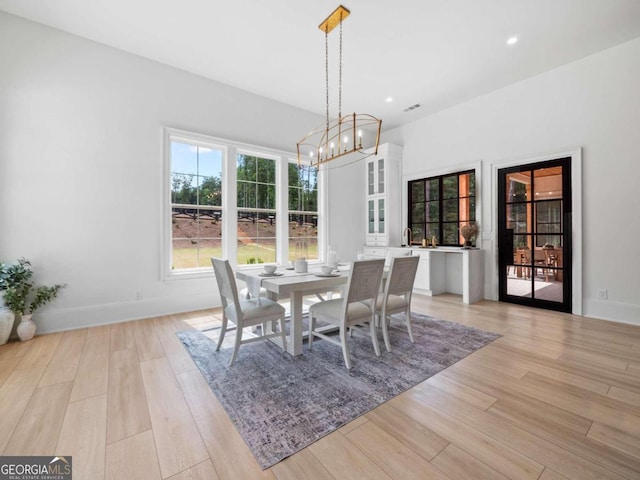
{"x": 412, "y": 107}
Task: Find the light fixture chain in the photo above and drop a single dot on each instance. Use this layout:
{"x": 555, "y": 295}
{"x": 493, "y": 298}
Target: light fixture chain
{"x": 326, "y": 70}
{"x": 340, "y": 75}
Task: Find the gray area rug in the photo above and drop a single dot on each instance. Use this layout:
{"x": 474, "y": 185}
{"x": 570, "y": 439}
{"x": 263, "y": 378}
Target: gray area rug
{"x": 281, "y": 404}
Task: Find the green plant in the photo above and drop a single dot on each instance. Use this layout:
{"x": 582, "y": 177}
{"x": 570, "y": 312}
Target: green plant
{"x": 20, "y": 294}
{"x": 12, "y": 276}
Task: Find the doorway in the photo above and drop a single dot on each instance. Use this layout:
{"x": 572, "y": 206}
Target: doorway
{"x": 534, "y": 246}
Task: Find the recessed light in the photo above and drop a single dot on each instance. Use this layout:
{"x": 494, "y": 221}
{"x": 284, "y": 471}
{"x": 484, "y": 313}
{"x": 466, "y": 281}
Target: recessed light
{"x": 389, "y": 99}
{"x": 512, "y": 40}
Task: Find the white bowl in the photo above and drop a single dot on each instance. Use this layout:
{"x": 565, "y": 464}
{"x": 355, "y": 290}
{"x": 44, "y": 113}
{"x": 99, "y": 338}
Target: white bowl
{"x": 326, "y": 269}
{"x": 270, "y": 268}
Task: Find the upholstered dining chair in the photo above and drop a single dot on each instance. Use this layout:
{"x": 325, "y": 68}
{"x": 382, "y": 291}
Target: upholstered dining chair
{"x": 352, "y": 309}
{"x": 397, "y": 295}
{"x": 245, "y": 312}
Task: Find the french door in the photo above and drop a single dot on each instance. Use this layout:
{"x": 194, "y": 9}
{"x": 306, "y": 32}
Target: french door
{"x": 534, "y": 215}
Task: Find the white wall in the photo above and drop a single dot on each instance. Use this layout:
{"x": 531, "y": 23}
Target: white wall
{"x": 592, "y": 103}
{"x": 81, "y": 165}
{"x": 346, "y": 210}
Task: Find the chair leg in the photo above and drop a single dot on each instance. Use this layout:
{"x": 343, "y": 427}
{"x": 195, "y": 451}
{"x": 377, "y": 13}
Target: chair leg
{"x": 374, "y": 337}
{"x": 385, "y": 331}
{"x": 312, "y": 327}
{"x": 345, "y": 349}
{"x": 284, "y": 336}
{"x": 237, "y": 345}
{"x": 407, "y": 319}
{"x": 223, "y": 330}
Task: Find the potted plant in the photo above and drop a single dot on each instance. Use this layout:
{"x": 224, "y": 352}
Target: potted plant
{"x": 22, "y": 297}
{"x": 11, "y": 276}
{"x": 468, "y": 232}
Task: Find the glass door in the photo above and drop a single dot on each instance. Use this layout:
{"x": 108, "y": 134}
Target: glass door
{"x": 534, "y": 214}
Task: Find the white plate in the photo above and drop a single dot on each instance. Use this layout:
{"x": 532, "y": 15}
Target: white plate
{"x": 275, "y": 274}
{"x": 327, "y": 274}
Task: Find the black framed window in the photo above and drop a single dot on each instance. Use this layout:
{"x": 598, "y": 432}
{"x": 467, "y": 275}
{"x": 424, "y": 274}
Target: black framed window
{"x": 439, "y": 206}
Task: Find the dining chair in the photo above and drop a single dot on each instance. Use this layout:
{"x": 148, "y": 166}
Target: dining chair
{"x": 397, "y": 295}
{"x": 352, "y": 309}
{"x": 245, "y": 312}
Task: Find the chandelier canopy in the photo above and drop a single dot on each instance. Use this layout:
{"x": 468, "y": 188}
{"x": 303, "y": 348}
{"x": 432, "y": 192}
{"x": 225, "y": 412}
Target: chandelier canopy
{"x": 345, "y": 134}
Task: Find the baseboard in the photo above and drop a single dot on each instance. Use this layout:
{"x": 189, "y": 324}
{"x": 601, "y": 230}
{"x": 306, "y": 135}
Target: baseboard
{"x": 56, "y": 320}
{"x": 613, "y": 311}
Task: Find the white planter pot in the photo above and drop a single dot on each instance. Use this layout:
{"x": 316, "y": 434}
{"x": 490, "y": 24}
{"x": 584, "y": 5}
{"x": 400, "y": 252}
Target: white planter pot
{"x": 7, "y": 317}
{"x": 26, "y": 328}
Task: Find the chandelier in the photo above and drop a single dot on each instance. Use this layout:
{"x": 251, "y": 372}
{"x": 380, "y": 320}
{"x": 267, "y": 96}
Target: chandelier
{"x": 342, "y": 135}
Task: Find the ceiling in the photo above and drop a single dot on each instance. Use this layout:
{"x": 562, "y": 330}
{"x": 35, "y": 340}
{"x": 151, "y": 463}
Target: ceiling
{"x": 436, "y": 53}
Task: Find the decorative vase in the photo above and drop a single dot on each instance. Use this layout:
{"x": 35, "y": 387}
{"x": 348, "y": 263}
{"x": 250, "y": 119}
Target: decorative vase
{"x": 26, "y": 328}
{"x": 467, "y": 244}
{"x": 7, "y": 317}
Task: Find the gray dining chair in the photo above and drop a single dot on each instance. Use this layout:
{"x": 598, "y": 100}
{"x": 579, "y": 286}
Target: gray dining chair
{"x": 245, "y": 312}
{"x": 352, "y": 309}
{"x": 397, "y": 295}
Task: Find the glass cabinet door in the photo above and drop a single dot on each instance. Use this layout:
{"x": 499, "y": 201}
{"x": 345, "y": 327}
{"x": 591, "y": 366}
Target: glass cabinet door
{"x": 381, "y": 175}
{"x": 372, "y": 217}
{"x": 370, "y": 177}
{"x": 381, "y": 215}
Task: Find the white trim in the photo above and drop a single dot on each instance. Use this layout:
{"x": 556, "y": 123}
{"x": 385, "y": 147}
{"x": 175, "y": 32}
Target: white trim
{"x": 576, "y": 219}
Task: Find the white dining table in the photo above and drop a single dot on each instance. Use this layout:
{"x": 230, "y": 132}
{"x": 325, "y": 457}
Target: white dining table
{"x": 294, "y": 285}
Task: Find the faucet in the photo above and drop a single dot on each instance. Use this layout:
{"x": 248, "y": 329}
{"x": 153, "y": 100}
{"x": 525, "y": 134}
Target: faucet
{"x": 409, "y": 234}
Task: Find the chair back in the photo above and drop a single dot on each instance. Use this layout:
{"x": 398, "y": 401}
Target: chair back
{"x": 364, "y": 281}
{"x": 401, "y": 275}
{"x": 226, "y": 283}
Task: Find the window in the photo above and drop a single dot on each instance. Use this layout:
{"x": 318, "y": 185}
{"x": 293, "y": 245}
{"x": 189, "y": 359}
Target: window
{"x": 196, "y": 204}
{"x": 439, "y": 206}
{"x": 256, "y": 209}
{"x": 232, "y": 200}
{"x": 303, "y": 212}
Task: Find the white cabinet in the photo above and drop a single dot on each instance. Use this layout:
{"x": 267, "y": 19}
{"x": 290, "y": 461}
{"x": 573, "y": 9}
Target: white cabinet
{"x": 383, "y": 204}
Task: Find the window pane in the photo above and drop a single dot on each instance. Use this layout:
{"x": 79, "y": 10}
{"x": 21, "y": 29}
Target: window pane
{"x": 417, "y": 213}
{"x": 210, "y": 191}
{"x": 432, "y": 191}
{"x": 303, "y": 237}
{"x": 417, "y": 191}
{"x": 256, "y": 237}
{"x": 517, "y": 217}
{"x": 303, "y": 188}
{"x": 522, "y": 241}
{"x": 183, "y": 188}
{"x": 450, "y": 187}
{"x": 433, "y": 212}
{"x": 196, "y": 180}
{"x": 246, "y": 195}
{"x": 246, "y": 168}
{"x": 418, "y": 232}
{"x": 450, "y": 210}
{"x": 547, "y": 183}
{"x": 266, "y": 196}
{"x": 266, "y": 171}
{"x": 518, "y": 187}
{"x": 303, "y": 197}
{"x": 450, "y": 234}
{"x": 433, "y": 229}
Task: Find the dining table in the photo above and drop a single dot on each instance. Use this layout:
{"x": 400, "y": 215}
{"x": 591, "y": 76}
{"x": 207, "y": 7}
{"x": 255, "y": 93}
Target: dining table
{"x": 295, "y": 285}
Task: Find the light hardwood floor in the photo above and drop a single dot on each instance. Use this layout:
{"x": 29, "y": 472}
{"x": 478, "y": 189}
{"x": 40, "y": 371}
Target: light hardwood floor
{"x": 558, "y": 396}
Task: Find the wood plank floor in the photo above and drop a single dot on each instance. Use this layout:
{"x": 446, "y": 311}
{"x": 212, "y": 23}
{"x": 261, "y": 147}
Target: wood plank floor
{"x": 557, "y": 396}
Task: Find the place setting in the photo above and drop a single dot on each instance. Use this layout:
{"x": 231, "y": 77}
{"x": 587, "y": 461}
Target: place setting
{"x": 270, "y": 271}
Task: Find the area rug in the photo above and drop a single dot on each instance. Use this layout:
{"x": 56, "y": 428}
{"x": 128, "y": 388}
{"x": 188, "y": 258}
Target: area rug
{"x": 281, "y": 404}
